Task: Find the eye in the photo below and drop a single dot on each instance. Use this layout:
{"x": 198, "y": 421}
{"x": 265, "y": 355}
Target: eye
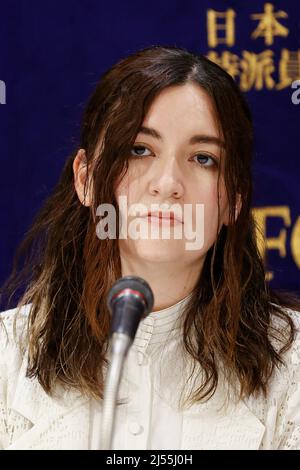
{"x": 205, "y": 160}
{"x": 139, "y": 151}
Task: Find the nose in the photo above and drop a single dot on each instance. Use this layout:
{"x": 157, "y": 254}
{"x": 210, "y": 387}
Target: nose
{"x": 166, "y": 180}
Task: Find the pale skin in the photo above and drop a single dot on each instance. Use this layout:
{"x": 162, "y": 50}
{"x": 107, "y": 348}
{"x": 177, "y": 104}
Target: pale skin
{"x": 171, "y": 169}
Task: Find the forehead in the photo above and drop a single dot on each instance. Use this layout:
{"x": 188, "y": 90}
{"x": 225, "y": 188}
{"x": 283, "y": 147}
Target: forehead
{"x": 184, "y": 108}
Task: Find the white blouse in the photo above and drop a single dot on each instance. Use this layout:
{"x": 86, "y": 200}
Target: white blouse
{"x": 151, "y": 416}
{"x": 141, "y": 421}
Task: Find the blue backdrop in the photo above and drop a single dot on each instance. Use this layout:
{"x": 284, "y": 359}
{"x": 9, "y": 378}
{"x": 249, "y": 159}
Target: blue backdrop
{"x": 52, "y": 53}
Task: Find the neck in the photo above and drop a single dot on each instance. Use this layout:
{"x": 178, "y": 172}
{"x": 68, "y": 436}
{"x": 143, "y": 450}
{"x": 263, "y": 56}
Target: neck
{"x": 170, "y": 282}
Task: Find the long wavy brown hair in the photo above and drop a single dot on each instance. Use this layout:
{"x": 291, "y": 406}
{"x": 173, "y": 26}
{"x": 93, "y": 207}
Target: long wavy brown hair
{"x": 69, "y": 270}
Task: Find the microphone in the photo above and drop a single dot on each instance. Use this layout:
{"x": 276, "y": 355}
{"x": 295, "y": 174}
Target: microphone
{"x": 129, "y": 300}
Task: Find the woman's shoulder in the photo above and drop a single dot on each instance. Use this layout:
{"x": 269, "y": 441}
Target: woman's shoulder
{"x": 295, "y": 348}
{"x": 281, "y": 328}
{"x": 293, "y": 313}
{"x": 285, "y": 378}
{"x": 23, "y": 311}
{"x": 280, "y": 323}
{"x": 13, "y": 324}
{"x": 278, "y": 410}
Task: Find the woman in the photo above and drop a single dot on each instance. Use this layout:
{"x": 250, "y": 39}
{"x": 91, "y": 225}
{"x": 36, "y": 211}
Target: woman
{"x": 216, "y": 364}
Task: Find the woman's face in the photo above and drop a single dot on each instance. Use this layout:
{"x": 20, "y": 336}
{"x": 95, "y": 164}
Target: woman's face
{"x": 175, "y": 160}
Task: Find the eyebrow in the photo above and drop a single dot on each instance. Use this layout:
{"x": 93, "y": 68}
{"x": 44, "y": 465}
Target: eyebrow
{"x": 196, "y": 139}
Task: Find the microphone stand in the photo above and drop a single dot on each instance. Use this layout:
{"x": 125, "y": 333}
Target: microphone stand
{"x": 119, "y": 349}
{"x": 129, "y": 300}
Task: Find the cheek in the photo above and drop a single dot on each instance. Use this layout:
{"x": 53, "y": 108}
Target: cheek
{"x": 122, "y": 187}
{"x": 128, "y": 193}
{"x": 129, "y": 184}
{"x": 126, "y": 186}
{"x": 210, "y": 200}
{"x": 214, "y": 221}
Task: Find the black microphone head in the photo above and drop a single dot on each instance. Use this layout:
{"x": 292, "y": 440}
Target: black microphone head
{"x": 129, "y": 300}
{"x": 131, "y": 285}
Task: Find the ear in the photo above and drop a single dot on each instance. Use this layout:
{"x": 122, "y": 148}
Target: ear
{"x": 82, "y": 186}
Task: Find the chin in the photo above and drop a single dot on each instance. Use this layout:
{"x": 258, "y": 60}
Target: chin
{"x": 158, "y": 250}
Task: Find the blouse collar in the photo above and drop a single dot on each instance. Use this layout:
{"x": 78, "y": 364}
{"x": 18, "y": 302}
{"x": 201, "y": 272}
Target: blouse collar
{"x": 160, "y": 326}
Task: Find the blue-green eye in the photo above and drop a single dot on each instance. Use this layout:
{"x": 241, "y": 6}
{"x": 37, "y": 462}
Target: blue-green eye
{"x": 139, "y": 149}
{"x": 205, "y": 160}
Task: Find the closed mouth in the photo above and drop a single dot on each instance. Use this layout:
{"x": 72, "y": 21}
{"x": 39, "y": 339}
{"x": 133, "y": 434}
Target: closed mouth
{"x": 171, "y": 216}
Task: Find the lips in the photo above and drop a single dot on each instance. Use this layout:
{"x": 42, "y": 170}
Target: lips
{"x": 163, "y": 215}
